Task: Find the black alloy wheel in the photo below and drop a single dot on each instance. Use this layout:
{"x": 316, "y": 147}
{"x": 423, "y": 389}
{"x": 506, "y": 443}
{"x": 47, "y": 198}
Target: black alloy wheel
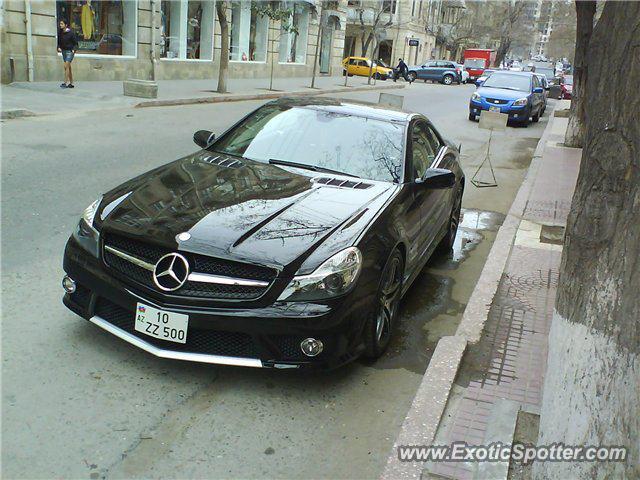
{"x": 383, "y": 316}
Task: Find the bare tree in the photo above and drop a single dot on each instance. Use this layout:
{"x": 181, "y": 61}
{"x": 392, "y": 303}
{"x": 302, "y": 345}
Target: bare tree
{"x": 223, "y": 72}
{"x": 585, "y": 13}
{"x": 509, "y": 18}
{"x": 592, "y": 384}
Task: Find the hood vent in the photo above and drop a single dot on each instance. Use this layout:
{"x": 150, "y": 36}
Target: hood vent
{"x": 221, "y": 160}
{"x": 335, "y": 182}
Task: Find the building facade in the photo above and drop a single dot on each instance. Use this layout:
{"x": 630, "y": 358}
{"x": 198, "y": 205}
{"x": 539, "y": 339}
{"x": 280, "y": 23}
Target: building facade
{"x": 394, "y": 28}
{"x": 174, "y": 39}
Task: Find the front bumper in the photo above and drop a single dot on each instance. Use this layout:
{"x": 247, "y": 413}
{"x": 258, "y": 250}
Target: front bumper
{"x": 516, "y": 113}
{"x": 266, "y": 336}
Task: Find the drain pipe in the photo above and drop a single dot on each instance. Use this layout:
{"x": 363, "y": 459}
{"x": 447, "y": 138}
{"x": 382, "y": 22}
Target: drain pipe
{"x": 154, "y": 56}
{"x": 27, "y": 22}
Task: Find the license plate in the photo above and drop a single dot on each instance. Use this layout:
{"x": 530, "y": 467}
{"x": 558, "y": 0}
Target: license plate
{"x": 494, "y": 109}
{"x": 161, "y": 324}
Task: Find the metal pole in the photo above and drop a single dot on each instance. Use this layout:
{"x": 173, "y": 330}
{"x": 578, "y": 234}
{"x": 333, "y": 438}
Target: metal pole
{"x": 154, "y": 58}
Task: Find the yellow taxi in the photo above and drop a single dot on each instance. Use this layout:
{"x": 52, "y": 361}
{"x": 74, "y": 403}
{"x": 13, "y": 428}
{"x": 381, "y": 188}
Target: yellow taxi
{"x": 360, "y": 66}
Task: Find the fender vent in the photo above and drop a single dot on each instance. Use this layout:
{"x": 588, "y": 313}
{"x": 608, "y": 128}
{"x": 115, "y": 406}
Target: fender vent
{"x": 221, "y": 160}
{"x": 335, "y": 182}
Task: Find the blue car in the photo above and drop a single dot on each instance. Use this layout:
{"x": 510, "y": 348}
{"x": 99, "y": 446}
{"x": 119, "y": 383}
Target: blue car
{"x": 443, "y": 71}
{"x": 517, "y": 94}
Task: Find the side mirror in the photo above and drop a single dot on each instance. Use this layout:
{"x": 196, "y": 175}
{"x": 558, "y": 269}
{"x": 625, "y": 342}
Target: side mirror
{"x": 437, "y": 178}
{"x": 203, "y": 138}
{"x": 538, "y": 90}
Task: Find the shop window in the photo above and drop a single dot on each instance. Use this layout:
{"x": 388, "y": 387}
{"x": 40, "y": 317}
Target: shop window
{"x": 248, "y": 33}
{"x": 293, "y": 45}
{"x": 186, "y": 30}
{"x": 101, "y": 27}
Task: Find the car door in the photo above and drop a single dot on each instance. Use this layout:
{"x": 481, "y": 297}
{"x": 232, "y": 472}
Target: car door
{"x": 424, "y": 199}
{"x": 536, "y": 97}
{"x": 429, "y": 72}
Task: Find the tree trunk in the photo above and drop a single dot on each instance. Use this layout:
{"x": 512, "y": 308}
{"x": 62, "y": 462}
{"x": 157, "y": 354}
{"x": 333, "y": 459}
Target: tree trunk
{"x": 505, "y": 44}
{"x": 223, "y": 73}
{"x": 585, "y": 11}
{"x": 592, "y": 384}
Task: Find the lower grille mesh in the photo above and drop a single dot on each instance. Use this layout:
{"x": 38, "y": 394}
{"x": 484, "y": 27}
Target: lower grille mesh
{"x": 232, "y": 344}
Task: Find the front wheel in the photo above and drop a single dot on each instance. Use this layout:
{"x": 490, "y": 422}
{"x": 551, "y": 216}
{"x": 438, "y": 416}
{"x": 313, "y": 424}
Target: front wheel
{"x": 376, "y": 76}
{"x": 448, "y": 79}
{"x": 383, "y": 316}
{"x": 472, "y": 117}
{"x": 412, "y": 76}
{"x": 536, "y": 118}
{"x": 446, "y": 244}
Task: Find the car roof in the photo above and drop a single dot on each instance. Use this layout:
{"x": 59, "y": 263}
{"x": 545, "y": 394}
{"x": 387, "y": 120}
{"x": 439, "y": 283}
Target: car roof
{"x": 348, "y": 107}
{"x": 358, "y": 58}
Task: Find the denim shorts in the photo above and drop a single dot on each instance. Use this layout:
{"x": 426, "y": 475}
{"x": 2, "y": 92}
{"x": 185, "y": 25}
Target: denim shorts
{"x": 67, "y": 55}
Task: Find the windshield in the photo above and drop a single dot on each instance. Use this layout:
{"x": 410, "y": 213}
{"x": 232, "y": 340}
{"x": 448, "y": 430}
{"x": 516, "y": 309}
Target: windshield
{"x": 547, "y": 72}
{"x": 474, "y": 63}
{"x": 317, "y": 136}
{"x": 509, "y": 82}
{"x": 568, "y": 80}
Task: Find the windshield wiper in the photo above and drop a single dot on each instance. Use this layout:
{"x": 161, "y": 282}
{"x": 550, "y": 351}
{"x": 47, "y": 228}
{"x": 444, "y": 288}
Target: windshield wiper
{"x": 315, "y": 168}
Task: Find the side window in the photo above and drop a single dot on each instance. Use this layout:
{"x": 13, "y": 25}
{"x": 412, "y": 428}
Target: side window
{"x": 433, "y": 140}
{"x": 431, "y": 64}
{"x": 421, "y": 150}
{"x": 535, "y": 82}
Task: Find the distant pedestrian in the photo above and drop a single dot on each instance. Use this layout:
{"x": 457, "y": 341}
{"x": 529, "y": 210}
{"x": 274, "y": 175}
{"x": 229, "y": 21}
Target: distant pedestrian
{"x": 67, "y": 45}
{"x": 403, "y": 70}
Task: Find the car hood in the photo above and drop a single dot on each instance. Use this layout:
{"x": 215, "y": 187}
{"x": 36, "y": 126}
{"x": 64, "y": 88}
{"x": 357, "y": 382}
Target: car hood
{"x": 238, "y": 208}
{"x": 501, "y": 93}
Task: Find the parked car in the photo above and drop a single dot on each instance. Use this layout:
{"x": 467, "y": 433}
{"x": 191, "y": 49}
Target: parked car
{"x": 464, "y": 74}
{"x": 486, "y": 74}
{"x": 287, "y": 242}
{"x": 518, "y": 95}
{"x": 361, "y": 67}
{"x": 566, "y": 85}
{"x": 516, "y": 67}
{"x": 443, "y": 71}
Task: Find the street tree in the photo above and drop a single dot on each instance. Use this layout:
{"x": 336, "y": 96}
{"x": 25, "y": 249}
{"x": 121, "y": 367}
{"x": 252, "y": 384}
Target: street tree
{"x": 562, "y": 40}
{"x": 509, "y": 23}
{"x": 592, "y": 384}
{"x": 223, "y": 72}
{"x": 585, "y": 16}
{"x": 374, "y": 17}
{"x": 276, "y": 13}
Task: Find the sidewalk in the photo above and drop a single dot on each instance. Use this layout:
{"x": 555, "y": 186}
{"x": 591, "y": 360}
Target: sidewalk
{"x": 39, "y": 98}
{"x": 505, "y": 327}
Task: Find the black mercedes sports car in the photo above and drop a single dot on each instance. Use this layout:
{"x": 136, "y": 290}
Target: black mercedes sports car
{"x": 286, "y": 242}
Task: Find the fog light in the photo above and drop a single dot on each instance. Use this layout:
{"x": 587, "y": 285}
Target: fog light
{"x": 311, "y": 347}
{"x": 68, "y": 284}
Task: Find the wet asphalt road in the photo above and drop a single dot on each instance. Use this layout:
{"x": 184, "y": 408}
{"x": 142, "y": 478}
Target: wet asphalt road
{"x": 77, "y": 402}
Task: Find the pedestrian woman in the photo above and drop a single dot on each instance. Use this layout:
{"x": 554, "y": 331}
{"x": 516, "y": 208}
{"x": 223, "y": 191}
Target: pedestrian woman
{"x": 67, "y": 45}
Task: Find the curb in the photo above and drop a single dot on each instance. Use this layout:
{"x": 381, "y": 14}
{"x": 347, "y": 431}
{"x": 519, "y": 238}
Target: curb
{"x": 16, "y": 113}
{"x": 421, "y": 422}
{"x": 261, "y": 96}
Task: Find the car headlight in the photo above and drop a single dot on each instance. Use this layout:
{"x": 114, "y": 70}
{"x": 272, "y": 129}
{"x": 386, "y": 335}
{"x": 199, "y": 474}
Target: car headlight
{"x": 521, "y": 101}
{"x": 476, "y": 96}
{"x": 334, "y": 277}
{"x": 90, "y": 212}
{"x": 85, "y": 233}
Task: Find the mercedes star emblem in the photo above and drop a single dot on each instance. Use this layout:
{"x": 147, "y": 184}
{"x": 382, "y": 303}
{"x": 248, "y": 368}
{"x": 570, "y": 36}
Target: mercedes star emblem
{"x": 171, "y": 272}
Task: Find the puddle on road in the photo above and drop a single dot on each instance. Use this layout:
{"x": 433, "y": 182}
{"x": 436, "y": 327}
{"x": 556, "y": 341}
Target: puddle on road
{"x": 428, "y": 310}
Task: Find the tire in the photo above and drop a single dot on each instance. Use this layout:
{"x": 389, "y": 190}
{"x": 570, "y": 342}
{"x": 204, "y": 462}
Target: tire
{"x": 412, "y": 76}
{"x": 472, "y": 117}
{"x": 536, "y": 118}
{"x": 377, "y": 76}
{"x": 446, "y": 244}
{"x": 447, "y": 79}
{"x": 344, "y": 73}
{"x": 384, "y": 314}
